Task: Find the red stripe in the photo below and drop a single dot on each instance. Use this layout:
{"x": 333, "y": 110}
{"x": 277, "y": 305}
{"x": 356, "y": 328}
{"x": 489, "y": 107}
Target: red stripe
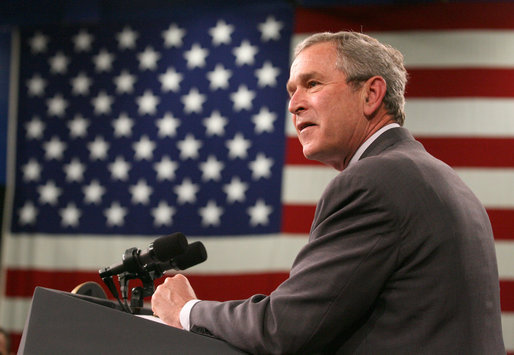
{"x": 225, "y": 287}
{"x": 502, "y": 222}
{"x": 435, "y": 16}
{"x": 455, "y": 151}
{"x": 507, "y": 295}
{"x": 471, "y": 152}
{"x": 294, "y": 153}
{"x": 21, "y": 282}
{"x": 471, "y": 82}
{"x": 213, "y": 287}
{"x": 297, "y": 218}
{"x": 15, "y": 342}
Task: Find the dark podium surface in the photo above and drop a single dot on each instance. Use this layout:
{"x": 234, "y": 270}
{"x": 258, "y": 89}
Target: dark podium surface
{"x": 64, "y": 323}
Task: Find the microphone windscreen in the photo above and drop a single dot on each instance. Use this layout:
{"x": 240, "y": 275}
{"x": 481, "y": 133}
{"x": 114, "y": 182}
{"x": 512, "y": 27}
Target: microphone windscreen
{"x": 169, "y": 246}
{"x": 194, "y": 254}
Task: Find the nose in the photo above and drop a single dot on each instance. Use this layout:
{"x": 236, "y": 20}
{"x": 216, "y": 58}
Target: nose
{"x": 295, "y": 103}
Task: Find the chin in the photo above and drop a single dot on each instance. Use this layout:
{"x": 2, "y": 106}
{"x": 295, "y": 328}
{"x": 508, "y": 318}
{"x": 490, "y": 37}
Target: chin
{"x": 309, "y": 154}
{"x": 319, "y": 157}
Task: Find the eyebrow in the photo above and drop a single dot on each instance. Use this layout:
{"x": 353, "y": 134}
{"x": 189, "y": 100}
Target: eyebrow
{"x": 303, "y": 78}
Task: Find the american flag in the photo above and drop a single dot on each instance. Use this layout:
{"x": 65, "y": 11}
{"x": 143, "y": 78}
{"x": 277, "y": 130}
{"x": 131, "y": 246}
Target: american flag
{"x": 126, "y": 131}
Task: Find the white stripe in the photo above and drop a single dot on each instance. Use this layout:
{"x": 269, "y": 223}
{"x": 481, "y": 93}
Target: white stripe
{"x": 453, "y": 48}
{"x": 89, "y": 253}
{"x": 258, "y": 254}
{"x": 225, "y": 255}
{"x": 290, "y": 130}
{"x": 508, "y": 330}
{"x": 467, "y": 117}
{"x": 505, "y": 256}
{"x": 304, "y": 184}
{"x": 460, "y": 117}
{"x": 494, "y": 187}
{"x": 14, "y": 312}
{"x": 436, "y": 49}
{"x": 47, "y": 252}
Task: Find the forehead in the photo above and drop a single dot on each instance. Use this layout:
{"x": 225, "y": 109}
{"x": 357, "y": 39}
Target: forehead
{"x": 317, "y": 56}
{"x": 317, "y": 61}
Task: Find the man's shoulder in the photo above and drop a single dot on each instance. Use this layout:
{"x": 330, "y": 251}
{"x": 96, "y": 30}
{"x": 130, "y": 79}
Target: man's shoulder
{"x": 375, "y": 167}
{"x": 393, "y": 152}
{"x": 364, "y": 179}
{"x": 393, "y": 166}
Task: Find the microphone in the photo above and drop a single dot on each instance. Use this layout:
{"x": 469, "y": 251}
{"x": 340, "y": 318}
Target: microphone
{"x": 195, "y": 254}
{"x": 160, "y": 250}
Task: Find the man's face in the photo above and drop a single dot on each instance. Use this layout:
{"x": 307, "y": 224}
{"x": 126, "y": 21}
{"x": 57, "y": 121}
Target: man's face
{"x": 327, "y": 112}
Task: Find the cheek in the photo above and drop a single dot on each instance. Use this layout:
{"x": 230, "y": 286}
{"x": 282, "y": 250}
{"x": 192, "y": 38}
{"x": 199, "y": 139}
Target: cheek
{"x": 332, "y": 120}
{"x": 337, "y": 127}
{"x": 333, "y": 137}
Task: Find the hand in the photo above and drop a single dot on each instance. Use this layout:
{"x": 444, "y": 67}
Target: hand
{"x": 169, "y": 298}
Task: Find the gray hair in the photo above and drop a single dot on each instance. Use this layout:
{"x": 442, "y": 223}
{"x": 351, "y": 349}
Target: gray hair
{"x": 361, "y": 57}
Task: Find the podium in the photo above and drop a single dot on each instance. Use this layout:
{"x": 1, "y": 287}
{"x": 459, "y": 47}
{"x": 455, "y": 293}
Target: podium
{"x": 63, "y": 323}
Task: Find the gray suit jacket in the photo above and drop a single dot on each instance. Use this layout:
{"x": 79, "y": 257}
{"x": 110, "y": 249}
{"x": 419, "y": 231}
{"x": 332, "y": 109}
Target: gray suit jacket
{"x": 400, "y": 260}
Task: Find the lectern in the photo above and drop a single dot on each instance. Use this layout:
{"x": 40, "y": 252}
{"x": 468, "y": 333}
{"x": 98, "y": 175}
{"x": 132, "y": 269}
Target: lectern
{"x": 63, "y": 323}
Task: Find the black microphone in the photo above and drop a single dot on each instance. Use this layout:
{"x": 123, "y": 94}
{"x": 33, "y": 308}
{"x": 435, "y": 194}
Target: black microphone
{"x": 195, "y": 254}
{"x": 160, "y": 250}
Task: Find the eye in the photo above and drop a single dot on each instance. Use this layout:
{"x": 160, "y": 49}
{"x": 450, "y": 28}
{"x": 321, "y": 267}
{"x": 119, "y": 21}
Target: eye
{"x": 312, "y": 83}
{"x": 290, "y": 90}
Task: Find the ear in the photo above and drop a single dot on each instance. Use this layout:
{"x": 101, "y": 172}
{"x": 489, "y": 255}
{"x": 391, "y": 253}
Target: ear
{"x": 374, "y": 91}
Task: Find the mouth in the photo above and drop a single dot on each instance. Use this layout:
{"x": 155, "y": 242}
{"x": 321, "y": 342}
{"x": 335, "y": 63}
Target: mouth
{"x": 302, "y": 125}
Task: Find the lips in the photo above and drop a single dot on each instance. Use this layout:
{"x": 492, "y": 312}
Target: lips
{"x": 300, "y": 126}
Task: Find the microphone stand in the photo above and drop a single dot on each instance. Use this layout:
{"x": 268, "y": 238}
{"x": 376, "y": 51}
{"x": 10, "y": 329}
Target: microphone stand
{"x": 137, "y": 293}
{"x": 147, "y": 277}
{"x": 110, "y": 285}
{"x": 147, "y": 274}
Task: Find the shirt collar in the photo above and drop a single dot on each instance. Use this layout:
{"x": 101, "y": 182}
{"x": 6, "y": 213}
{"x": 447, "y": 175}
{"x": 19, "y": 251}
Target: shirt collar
{"x": 370, "y": 140}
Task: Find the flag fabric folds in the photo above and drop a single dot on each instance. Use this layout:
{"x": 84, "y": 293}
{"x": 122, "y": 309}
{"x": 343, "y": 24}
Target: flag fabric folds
{"x": 128, "y": 130}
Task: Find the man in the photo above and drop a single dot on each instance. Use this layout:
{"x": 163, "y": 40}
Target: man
{"x": 400, "y": 258}
{"x": 5, "y": 342}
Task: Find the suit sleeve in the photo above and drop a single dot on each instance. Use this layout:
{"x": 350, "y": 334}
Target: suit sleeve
{"x": 333, "y": 283}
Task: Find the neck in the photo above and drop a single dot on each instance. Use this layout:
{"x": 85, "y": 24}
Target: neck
{"x": 373, "y": 127}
